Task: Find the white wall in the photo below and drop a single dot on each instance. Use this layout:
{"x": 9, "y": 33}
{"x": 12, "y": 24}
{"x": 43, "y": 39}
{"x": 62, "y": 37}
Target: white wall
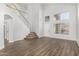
{"x": 35, "y": 17}
{"x": 1, "y": 30}
{"x": 52, "y": 9}
{"x": 1, "y": 26}
{"x": 20, "y": 30}
{"x": 78, "y": 24}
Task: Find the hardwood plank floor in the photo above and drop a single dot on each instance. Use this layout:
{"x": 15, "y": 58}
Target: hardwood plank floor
{"x": 41, "y": 47}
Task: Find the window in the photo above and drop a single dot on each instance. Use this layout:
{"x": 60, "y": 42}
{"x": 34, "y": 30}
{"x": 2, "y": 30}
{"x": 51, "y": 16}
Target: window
{"x": 64, "y": 16}
{"x": 62, "y": 27}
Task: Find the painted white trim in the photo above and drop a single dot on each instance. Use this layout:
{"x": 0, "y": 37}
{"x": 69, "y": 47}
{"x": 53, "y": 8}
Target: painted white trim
{"x": 60, "y": 37}
{"x": 1, "y": 47}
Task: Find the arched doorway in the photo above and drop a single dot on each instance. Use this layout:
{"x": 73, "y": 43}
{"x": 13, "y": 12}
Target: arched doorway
{"x": 7, "y": 19}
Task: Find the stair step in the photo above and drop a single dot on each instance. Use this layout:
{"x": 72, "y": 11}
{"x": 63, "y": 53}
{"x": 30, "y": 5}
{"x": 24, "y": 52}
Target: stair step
{"x": 31, "y": 35}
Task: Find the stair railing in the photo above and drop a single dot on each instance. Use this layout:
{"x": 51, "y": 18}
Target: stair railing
{"x": 20, "y": 13}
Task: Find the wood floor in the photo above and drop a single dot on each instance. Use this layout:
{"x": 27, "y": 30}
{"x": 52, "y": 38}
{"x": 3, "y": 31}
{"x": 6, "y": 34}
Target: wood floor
{"x": 41, "y": 47}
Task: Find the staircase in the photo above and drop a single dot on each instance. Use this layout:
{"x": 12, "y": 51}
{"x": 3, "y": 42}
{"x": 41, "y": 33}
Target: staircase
{"x": 31, "y": 35}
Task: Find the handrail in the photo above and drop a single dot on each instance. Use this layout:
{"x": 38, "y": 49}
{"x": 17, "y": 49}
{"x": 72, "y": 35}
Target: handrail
{"x": 20, "y": 12}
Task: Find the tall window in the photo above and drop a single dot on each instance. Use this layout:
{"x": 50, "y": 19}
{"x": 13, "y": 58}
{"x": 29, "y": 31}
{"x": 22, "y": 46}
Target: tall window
{"x": 61, "y": 23}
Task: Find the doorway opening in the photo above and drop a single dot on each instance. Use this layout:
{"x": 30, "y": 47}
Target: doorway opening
{"x": 7, "y": 20}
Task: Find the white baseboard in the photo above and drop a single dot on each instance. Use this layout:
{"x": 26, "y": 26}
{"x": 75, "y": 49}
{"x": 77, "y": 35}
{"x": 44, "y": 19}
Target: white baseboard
{"x": 1, "y": 47}
{"x": 57, "y": 37}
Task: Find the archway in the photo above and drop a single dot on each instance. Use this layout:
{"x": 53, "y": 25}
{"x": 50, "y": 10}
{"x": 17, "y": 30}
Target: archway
{"x": 7, "y": 20}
